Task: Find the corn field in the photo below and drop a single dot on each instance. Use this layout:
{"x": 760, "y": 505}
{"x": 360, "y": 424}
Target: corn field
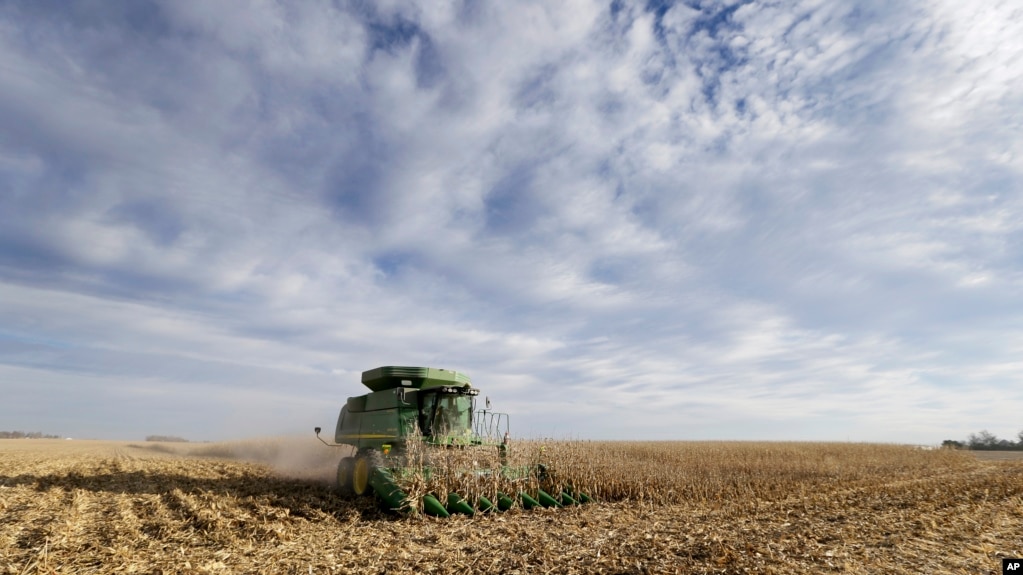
{"x": 267, "y": 506}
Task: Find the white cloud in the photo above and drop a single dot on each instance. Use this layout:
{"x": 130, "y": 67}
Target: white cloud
{"x": 756, "y": 220}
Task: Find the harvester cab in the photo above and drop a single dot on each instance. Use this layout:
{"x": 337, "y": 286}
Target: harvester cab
{"x": 412, "y": 408}
{"x": 436, "y": 405}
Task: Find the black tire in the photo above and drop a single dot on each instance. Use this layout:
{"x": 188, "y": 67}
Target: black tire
{"x": 344, "y": 475}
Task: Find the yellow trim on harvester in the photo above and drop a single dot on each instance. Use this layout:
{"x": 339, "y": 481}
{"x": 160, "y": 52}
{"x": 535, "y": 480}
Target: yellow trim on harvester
{"x": 368, "y": 436}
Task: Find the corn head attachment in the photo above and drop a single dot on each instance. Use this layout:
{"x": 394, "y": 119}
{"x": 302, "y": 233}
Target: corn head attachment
{"x": 422, "y": 446}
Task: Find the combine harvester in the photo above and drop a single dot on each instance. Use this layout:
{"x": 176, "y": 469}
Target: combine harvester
{"x": 415, "y": 414}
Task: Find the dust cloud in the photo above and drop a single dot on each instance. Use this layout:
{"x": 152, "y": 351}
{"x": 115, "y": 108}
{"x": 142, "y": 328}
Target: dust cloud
{"x": 290, "y": 457}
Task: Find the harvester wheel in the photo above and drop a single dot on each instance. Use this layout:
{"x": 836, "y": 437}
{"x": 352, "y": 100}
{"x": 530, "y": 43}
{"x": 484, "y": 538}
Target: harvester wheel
{"x": 360, "y": 475}
{"x": 365, "y": 462}
{"x": 344, "y": 475}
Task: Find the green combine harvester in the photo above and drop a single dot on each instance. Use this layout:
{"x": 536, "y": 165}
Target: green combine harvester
{"x": 422, "y": 410}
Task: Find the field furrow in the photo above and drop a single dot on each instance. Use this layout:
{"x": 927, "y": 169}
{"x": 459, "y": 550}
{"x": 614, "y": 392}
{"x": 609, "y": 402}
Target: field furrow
{"x": 84, "y": 507}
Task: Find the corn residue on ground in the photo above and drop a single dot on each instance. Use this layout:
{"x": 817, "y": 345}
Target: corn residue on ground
{"x": 666, "y": 507}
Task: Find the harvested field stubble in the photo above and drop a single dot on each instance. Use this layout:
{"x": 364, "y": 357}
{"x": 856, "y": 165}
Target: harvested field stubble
{"x": 87, "y": 507}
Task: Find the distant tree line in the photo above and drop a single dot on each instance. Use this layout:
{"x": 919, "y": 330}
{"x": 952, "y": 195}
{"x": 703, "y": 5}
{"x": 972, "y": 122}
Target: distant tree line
{"x": 167, "y": 438}
{"x": 986, "y": 441}
{"x": 26, "y": 435}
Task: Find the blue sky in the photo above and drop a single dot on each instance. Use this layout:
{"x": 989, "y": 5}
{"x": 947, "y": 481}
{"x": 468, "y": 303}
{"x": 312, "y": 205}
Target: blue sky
{"x": 698, "y": 220}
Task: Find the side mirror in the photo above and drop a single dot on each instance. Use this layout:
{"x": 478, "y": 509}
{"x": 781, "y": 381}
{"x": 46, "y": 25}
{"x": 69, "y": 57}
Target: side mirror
{"x": 317, "y": 430}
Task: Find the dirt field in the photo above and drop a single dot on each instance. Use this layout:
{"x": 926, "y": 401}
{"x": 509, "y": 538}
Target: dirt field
{"x": 998, "y": 455}
{"x": 105, "y": 507}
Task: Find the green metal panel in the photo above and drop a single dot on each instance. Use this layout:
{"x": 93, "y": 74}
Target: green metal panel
{"x": 346, "y": 425}
{"x": 408, "y": 420}
{"x": 357, "y": 403}
{"x": 458, "y": 505}
{"x": 381, "y": 400}
{"x": 431, "y": 506}
{"x": 375, "y": 429}
{"x": 385, "y": 488}
{"x": 392, "y": 376}
{"x": 436, "y": 377}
